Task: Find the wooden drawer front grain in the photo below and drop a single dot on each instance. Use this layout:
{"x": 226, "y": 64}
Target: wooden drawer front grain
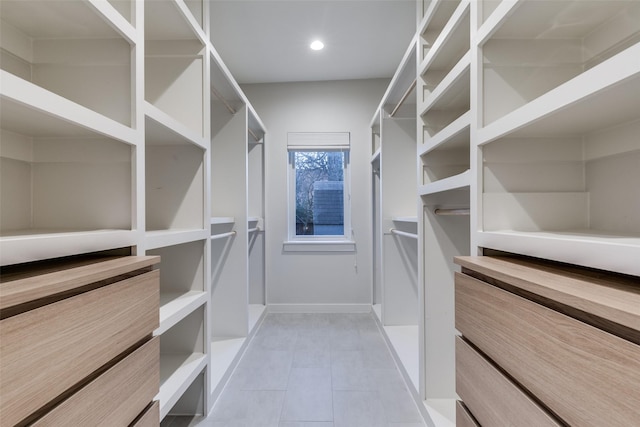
{"x": 463, "y": 417}
{"x": 115, "y": 398}
{"x": 48, "y": 350}
{"x": 492, "y": 398}
{"x": 150, "y": 418}
{"x": 584, "y": 375}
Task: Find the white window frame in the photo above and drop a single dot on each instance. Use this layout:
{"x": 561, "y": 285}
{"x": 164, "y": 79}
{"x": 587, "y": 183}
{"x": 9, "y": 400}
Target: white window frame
{"x": 318, "y": 141}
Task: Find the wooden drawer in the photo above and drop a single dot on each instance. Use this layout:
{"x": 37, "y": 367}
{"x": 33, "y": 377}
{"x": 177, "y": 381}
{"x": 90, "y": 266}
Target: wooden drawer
{"x": 50, "y": 349}
{"x": 463, "y": 417}
{"x": 586, "y": 376}
{"x": 116, "y": 397}
{"x": 492, "y": 398}
{"x": 150, "y": 417}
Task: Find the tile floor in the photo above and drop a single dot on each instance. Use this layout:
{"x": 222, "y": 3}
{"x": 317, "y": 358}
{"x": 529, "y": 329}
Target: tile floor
{"x": 313, "y": 370}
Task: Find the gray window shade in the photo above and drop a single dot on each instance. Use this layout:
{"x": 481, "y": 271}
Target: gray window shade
{"x": 318, "y": 141}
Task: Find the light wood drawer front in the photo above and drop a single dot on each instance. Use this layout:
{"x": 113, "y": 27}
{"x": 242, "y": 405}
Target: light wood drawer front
{"x": 492, "y": 398}
{"x": 584, "y": 375}
{"x": 50, "y": 349}
{"x": 463, "y": 418}
{"x": 115, "y": 398}
{"x": 151, "y": 417}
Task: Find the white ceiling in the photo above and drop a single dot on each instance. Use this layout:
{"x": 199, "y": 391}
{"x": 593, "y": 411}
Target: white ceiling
{"x": 264, "y": 41}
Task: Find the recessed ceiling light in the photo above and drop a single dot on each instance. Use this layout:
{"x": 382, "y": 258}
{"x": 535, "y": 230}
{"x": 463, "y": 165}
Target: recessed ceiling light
{"x": 317, "y": 45}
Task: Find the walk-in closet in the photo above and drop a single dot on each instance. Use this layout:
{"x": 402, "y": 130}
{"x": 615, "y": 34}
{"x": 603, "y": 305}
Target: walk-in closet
{"x": 418, "y": 213}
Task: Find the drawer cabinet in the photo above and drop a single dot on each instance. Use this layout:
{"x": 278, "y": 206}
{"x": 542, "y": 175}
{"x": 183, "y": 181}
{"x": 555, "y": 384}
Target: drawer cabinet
{"x": 581, "y": 367}
{"x": 73, "y": 349}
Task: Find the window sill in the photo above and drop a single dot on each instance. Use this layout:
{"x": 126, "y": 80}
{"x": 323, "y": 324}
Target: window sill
{"x": 319, "y": 246}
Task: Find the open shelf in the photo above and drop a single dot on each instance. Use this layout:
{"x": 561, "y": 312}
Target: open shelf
{"x": 576, "y": 188}
{"x": 447, "y": 51}
{"x": 526, "y": 54}
{"x": 174, "y": 182}
{"x": 68, "y": 59}
{"x": 404, "y": 342}
{"x": 162, "y": 129}
{"x": 39, "y": 166}
{"x": 436, "y": 17}
{"x": 461, "y": 181}
{"x": 597, "y": 99}
{"x": 182, "y": 359}
{"x": 225, "y": 354}
{"x": 175, "y": 64}
{"x": 449, "y": 101}
{"x": 182, "y": 287}
{"x": 176, "y": 306}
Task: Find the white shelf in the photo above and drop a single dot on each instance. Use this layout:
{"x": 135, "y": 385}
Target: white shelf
{"x": 452, "y": 93}
{"x": 163, "y": 238}
{"x": 177, "y": 372}
{"x": 455, "y": 135}
{"x": 30, "y": 110}
{"x": 435, "y": 19}
{"x": 410, "y": 219}
{"x": 176, "y": 306}
{"x": 601, "y": 97}
{"x": 375, "y": 158}
{"x": 222, "y": 220}
{"x": 451, "y": 44}
{"x": 162, "y": 129}
{"x": 224, "y": 354}
{"x": 256, "y": 311}
{"x": 589, "y": 248}
{"x": 402, "y": 79}
{"x": 451, "y": 183}
{"x": 404, "y": 342}
{"x": 18, "y": 246}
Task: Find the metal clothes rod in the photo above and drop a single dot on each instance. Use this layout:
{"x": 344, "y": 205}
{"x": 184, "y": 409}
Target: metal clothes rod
{"x": 404, "y": 98}
{"x": 224, "y": 101}
{"x": 222, "y": 235}
{"x": 403, "y": 233}
{"x": 253, "y": 230}
{"x": 254, "y": 135}
{"x": 452, "y": 212}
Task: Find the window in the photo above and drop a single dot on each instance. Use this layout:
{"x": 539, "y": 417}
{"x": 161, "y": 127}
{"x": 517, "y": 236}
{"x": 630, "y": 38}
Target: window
{"x": 319, "y": 186}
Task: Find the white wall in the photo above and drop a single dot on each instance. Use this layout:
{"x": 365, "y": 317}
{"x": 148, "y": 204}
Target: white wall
{"x": 322, "y": 279}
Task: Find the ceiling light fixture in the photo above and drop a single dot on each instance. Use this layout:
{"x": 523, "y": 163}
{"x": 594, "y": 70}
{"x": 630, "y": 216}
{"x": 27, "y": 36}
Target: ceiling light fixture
{"x": 317, "y": 45}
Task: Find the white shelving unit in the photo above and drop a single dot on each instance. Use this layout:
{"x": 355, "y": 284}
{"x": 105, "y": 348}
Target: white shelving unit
{"x": 396, "y": 293}
{"x": 559, "y": 152}
{"x": 527, "y": 121}
{"x": 176, "y": 149}
{"x": 237, "y": 224}
{"x": 57, "y": 136}
{"x": 444, "y": 133}
{"x": 127, "y": 166}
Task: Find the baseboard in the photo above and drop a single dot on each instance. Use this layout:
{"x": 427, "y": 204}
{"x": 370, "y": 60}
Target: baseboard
{"x": 319, "y": 308}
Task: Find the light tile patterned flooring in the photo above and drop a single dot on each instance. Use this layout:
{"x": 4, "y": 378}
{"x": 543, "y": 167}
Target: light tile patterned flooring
{"x": 313, "y": 370}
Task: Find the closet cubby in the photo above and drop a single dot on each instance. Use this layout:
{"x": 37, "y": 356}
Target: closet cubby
{"x": 61, "y": 184}
{"x": 182, "y": 359}
{"x": 70, "y": 48}
{"x": 175, "y": 175}
{"x": 526, "y": 54}
{"x": 437, "y": 13}
{"x": 446, "y": 51}
{"x": 175, "y": 63}
{"x": 542, "y": 195}
{"x": 182, "y": 282}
